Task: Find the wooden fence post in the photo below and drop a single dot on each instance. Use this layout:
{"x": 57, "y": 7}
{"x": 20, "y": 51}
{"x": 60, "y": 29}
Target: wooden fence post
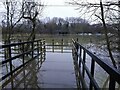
{"x": 84, "y": 57}
{"x": 41, "y": 51}
{"x": 80, "y": 51}
{"x": 92, "y": 72}
{"x": 53, "y": 45}
{"x": 62, "y": 45}
{"x": 10, "y": 62}
{"x": 44, "y": 51}
{"x": 32, "y": 48}
{"x": 37, "y": 47}
{"x": 111, "y": 83}
{"x": 23, "y": 52}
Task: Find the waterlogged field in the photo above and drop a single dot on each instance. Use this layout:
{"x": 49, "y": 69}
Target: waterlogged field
{"x": 83, "y": 39}
{"x": 91, "y": 42}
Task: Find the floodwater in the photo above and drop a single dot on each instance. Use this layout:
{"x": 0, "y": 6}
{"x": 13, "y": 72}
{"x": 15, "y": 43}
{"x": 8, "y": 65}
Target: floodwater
{"x": 57, "y": 70}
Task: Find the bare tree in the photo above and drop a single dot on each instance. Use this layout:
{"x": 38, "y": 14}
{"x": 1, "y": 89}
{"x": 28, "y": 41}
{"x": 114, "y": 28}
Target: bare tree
{"x": 17, "y": 11}
{"x": 31, "y": 11}
{"x": 13, "y": 17}
{"x": 106, "y": 12}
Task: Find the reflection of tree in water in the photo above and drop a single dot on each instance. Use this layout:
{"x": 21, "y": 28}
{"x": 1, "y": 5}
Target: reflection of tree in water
{"x": 32, "y": 79}
{"x": 26, "y": 77}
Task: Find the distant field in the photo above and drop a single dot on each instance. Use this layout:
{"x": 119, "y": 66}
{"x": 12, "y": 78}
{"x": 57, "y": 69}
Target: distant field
{"x": 83, "y": 39}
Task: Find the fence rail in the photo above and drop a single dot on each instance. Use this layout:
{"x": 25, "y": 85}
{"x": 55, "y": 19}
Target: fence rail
{"x": 60, "y": 47}
{"x": 25, "y": 48}
{"x": 79, "y": 56}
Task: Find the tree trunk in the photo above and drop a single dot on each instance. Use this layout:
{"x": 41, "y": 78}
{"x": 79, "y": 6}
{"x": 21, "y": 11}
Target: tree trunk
{"x": 7, "y": 38}
{"x": 119, "y": 33}
{"x": 106, "y": 36}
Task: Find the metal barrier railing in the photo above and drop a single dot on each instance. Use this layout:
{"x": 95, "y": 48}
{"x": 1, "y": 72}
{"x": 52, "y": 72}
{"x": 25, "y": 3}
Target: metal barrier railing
{"x": 33, "y": 47}
{"x": 79, "y": 56}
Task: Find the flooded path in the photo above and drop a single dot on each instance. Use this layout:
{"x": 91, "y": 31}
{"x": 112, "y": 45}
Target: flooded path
{"x": 57, "y": 71}
{"x": 52, "y": 69}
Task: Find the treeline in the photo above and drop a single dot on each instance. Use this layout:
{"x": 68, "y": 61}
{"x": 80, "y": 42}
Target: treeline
{"x": 69, "y": 25}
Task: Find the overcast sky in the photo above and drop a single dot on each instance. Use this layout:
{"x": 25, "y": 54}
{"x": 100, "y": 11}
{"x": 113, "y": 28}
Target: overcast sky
{"x": 59, "y": 11}
{"x": 55, "y": 11}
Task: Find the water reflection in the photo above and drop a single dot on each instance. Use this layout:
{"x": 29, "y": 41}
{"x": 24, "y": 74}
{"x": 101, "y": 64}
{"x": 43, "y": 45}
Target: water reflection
{"x": 57, "y": 71}
{"x": 27, "y": 76}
